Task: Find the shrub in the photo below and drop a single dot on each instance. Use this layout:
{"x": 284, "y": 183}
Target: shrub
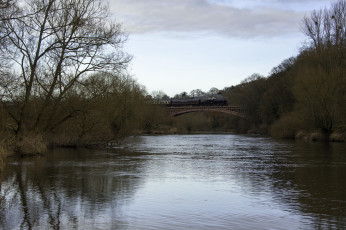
{"x": 317, "y": 136}
{"x": 285, "y": 127}
{"x": 31, "y": 144}
{"x": 337, "y": 137}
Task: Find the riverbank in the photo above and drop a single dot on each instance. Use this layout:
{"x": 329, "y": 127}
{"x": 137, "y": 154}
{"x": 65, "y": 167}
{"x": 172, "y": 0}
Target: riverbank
{"x": 6, "y": 150}
{"x": 317, "y": 136}
{"x": 300, "y": 135}
{"x": 4, "y": 153}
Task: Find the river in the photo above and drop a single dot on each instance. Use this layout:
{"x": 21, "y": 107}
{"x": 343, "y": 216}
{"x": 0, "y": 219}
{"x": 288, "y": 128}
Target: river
{"x": 205, "y": 181}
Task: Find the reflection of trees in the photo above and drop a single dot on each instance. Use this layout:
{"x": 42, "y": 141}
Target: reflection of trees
{"x": 307, "y": 178}
{"x": 318, "y": 178}
{"x": 74, "y": 188}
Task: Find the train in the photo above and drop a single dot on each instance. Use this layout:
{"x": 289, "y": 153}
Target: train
{"x": 197, "y": 102}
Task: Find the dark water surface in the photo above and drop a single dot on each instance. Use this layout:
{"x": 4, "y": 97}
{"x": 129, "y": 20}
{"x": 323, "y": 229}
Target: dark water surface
{"x": 180, "y": 182}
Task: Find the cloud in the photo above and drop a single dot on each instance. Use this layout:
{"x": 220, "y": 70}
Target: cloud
{"x": 211, "y": 16}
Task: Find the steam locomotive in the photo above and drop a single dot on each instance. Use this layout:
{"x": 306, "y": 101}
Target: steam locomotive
{"x": 197, "y": 102}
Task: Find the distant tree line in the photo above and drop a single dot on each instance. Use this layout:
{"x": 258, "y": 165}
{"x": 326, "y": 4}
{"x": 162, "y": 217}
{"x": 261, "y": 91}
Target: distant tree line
{"x": 196, "y": 93}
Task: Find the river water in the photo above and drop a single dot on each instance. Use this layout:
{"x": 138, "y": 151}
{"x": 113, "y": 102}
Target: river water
{"x": 179, "y": 182}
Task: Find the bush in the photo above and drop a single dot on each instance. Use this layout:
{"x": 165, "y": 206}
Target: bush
{"x": 285, "y": 127}
{"x": 31, "y": 144}
{"x": 317, "y": 136}
{"x": 301, "y": 135}
{"x": 337, "y": 137}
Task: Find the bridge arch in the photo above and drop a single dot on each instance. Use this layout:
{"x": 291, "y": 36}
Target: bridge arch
{"x": 239, "y": 111}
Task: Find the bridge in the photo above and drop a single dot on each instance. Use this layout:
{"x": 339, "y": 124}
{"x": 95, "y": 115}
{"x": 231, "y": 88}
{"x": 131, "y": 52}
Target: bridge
{"x": 239, "y": 111}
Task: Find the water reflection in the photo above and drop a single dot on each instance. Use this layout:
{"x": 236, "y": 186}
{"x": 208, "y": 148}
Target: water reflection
{"x": 180, "y": 182}
{"x": 68, "y": 188}
{"x": 315, "y": 172}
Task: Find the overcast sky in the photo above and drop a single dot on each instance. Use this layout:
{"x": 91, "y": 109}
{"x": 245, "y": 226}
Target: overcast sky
{"x": 181, "y": 45}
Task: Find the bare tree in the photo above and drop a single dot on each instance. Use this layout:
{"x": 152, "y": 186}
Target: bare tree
{"x": 159, "y": 95}
{"x": 321, "y": 83}
{"x": 327, "y": 27}
{"x": 7, "y": 12}
{"x": 6, "y": 9}
{"x": 213, "y": 90}
{"x": 57, "y": 43}
{"x": 182, "y": 96}
{"x": 197, "y": 93}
